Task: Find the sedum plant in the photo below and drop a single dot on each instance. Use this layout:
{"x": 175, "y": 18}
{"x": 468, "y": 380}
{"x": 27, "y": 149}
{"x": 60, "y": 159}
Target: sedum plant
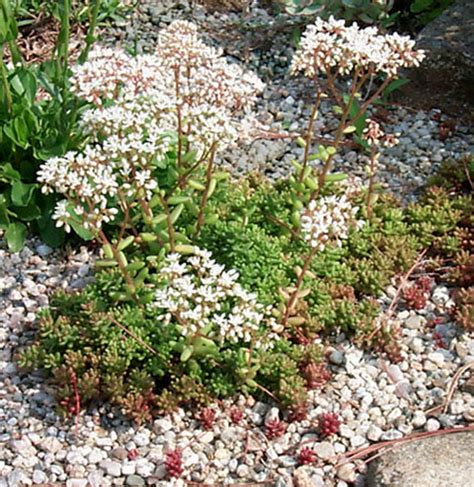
{"x": 156, "y": 126}
{"x": 215, "y": 286}
{"x": 193, "y": 334}
{"x": 336, "y": 51}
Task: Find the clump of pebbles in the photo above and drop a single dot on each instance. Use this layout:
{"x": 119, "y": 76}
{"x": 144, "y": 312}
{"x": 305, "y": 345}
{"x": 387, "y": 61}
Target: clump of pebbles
{"x": 375, "y": 400}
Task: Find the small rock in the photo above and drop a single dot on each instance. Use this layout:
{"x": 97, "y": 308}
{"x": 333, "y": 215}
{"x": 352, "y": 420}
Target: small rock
{"x": 456, "y": 407}
{"x": 51, "y": 445}
{"x": 96, "y": 478}
{"x": 243, "y": 471}
{"x": 357, "y": 440}
{"x": 440, "y": 295}
{"x": 468, "y": 415}
{"x": 162, "y": 425}
{"x": 437, "y": 358}
{"x": 469, "y": 385}
{"x": 207, "y": 437}
{"x": 43, "y": 250}
{"x": 336, "y": 357}
{"x": 324, "y": 450}
{"x": 347, "y": 472}
{"x": 272, "y": 415}
{"x": 415, "y": 322}
{"x": 287, "y": 461}
{"x": 141, "y": 439}
{"x": 416, "y": 344}
{"x": 114, "y": 469}
{"x": 39, "y": 477}
{"x": 374, "y": 433}
{"x": 128, "y": 468}
{"x": 119, "y": 453}
{"x": 135, "y": 480}
{"x": 76, "y": 483}
{"x": 432, "y": 425}
{"x": 300, "y": 478}
{"x": 394, "y": 414}
{"x": 222, "y": 453}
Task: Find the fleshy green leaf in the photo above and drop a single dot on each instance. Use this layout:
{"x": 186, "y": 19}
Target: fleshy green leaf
{"x": 15, "y": 236}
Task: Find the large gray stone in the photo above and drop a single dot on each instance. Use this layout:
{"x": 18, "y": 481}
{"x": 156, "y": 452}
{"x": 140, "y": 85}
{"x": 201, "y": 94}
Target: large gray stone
{"x": 445, "y": 78}
{"x": 438, "y": 461}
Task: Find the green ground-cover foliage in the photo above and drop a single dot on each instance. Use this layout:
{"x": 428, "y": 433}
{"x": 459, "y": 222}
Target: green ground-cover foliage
{"x": 122, "y": 352}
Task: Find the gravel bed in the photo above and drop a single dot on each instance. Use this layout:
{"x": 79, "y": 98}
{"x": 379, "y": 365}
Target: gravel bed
{"x": 260, "y": 42}
{"x": 375, "y": 399}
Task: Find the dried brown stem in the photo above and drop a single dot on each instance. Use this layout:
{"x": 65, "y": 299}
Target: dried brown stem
{"x": 135, "y": 337}
{"x": 395, "y": 298}
{"x": 391, "y": 444}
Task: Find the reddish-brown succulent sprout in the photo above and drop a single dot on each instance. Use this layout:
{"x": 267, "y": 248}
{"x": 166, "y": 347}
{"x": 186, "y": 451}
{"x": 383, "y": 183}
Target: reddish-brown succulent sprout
{"x": 306, "y": 456}
{"x": 236, "y": 415}
{"x": 274, "y": 428}
{"x": 329, "y": 424}
{"x": 207, "y": 418}
{"x": 174, "y": 463}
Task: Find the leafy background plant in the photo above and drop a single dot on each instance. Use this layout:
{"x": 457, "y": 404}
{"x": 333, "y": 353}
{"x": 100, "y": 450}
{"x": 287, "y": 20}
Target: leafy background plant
{"x": 38, "y": 120}
{"x": 405, "y": 15}
{"x": 28, "y": 11}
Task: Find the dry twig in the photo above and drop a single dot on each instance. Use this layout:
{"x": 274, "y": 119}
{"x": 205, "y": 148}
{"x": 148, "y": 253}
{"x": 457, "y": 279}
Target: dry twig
{"x": 451, "y": 389}
{"x": 392, "y": 444}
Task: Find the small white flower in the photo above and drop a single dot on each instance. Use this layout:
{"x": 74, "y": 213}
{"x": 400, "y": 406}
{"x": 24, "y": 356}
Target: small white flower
{"x": 61, "y": 215}
{"x": 331, "y": 45}
{"x": 196, "y": 290}
{"x": 327, "y": 221}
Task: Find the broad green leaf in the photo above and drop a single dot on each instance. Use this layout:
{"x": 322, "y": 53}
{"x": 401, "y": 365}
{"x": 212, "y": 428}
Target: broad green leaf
{"x": 15, "y": 236}
{"x": 4, "y": 218}
{"x": 8, "y": 173}
{"x": 22, "y": 193}
{"x": 21, "y": 132}
{"x": 395, "y": 85}
{"x": 81, "y": 231}
{"x": 50, "y": 234}
{"x": 28, "y": 213}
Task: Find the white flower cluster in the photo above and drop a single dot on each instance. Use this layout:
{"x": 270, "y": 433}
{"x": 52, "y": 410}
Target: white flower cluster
{"x": 92, "y": 179}
{"x": 330, "y": 45}
{"x": 328, "y": 220}
{"x": 140, "y": 103}
{"x": 199, "y": 294}
{"x": 375, "y": 136}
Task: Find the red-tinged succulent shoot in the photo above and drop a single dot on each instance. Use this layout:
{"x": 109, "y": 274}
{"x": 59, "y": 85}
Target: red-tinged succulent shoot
{"x": 329, "y": 424}
{"x": 236, "y": 415}
{"x": 274, "y": 428}
{"x": 306, "y": 456}
{"x": 207, "y": 418}
{"x": 174, "y": 463}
